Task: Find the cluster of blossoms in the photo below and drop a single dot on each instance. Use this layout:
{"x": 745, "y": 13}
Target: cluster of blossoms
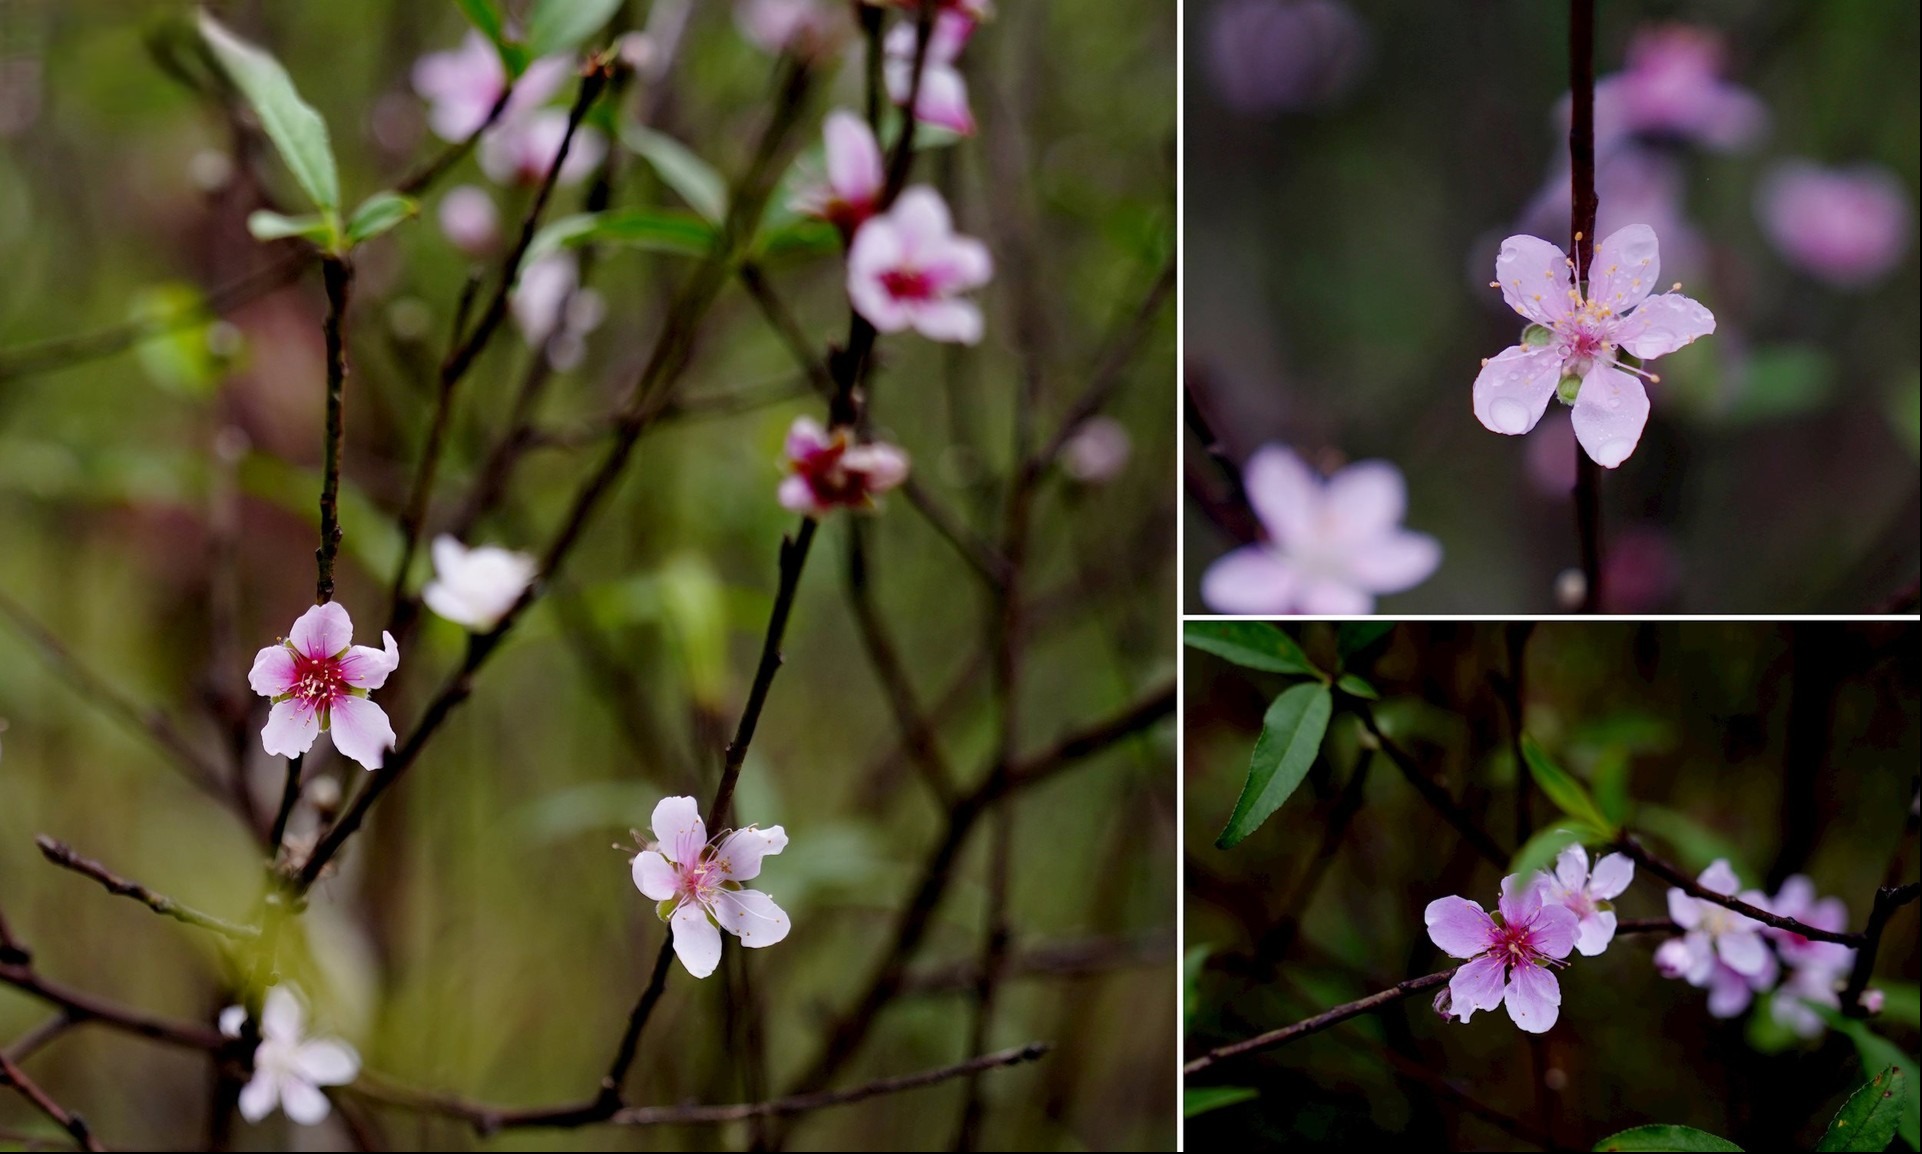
{"x": 1729, "y": 954}
{"x": 289, "y": 1066}
{"x": 1332, "y": 545}
{"x": 1511, "y": 962}
{"x": 696, "y": 882}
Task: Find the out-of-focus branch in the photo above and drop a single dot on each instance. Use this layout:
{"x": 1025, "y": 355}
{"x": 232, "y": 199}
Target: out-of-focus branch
{"x": 1433, "y": 793}
{"x": 917, "y": 734}
{"x": 1633, "y": 847}
{"x": 1319, "y": 1022}
{"x": 63, "y": 855}
{"x": 83, "y": 1008}
{"x": 11, "y": 1074}
{"x": 1581, "y": 156}
{"x": 1078, "y": 958}
{"x": 1887, "y": 901}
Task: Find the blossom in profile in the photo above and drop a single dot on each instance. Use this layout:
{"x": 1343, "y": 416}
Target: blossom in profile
{"x": 522, "y": 151}
{"x": 1268, "y": 56}
{"x": 553, "y": 311}
{"x": 1587, "y": 895}
{"x": 1573, "y": 345}
{"x": 1332, "y": 545}
{"x": 1509, "y": 960}
{"x": 461, "y": 87}
{"x": 1720, "y": 950}
{"x": 1672, "y": 88}
{"x": 290, "y": 1067}
{"x": 829, "y": 470}
{"x": 907, "y": 268}
{"x": 476, "y": 587}
{"x": 319, "y": 682}
{"x": 469, "y": 219}
{"x": 1846, "y": 226}
{"x": 806, "y": 28}
{"x": 943, "y": 97}
{"x": 697, "y": 884}
{"x": 855, "y": 175}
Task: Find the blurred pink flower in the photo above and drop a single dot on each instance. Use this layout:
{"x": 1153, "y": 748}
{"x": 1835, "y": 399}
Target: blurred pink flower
{"x": 475, "y": 588}
{"x": 462, "y": 84}
{"x": 1847, "y": 226}
{"x": 907, "y": 268}
{"x": 522, "y": 150}
{"x": 1332, "y": 545}
{"x": 1796, "y": 899}
{"x": 1633, "y": 185}
{"x": 289, "y": 1066}
{"x": 943, "y": 99}
{"x": 1641, "y": 571}
{"x": 1510, "y": 959}
{"x": 830, "y": 471}
{"x": 697, "y": 884}
{"x": 1577, "y": 338}
{"x": 1587, "y": 896}
{"x": 319, "y": 681}
{"x": 553, "y": 311}
{"x": 854, "y": 179}
{"x": 1279, "y": 55}
{"x": 1721, "y": 950}
{"x": 1672, "y": 88}
{"x": 1805, "y": 984}
{"x": 1097, "y": 451}
{"x": 803, "y": 27}
{"x": 469, "y": 219}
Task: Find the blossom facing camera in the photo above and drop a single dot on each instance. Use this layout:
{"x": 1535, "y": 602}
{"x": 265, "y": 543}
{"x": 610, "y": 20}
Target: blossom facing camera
{"x": 1846, "y": 226}
{"x": 1509, "y": 961}
{"x": 1587, "y": 895}
{"x": 907, "y": 268}
{"x": 476, "y": 587}
{"x": 289, "y": 1066}
{"x": 319, "y": 681}
{"x": 855, "y": 176}
{"x": 943, "y": 97}
{"x": 1332, "y": 545}
{"x": 469, "y": 219}
{"x": 829, "y": 470}
{"x": 697, "y": 883}
{"x": 1720, "y": 951}
{"x": 1577, "y": 331}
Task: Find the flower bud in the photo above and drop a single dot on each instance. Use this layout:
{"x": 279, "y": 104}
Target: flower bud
{"x": 1567, "y": 388}
{"x": 1445, "y": 1003}
{"x": 1537, "y": 336}
{"x": 1872, "y": 1001}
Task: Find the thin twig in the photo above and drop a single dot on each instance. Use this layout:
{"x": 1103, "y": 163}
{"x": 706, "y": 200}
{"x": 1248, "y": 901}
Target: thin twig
{"x": 918, "y": 736}
{"x": 437, "y": 166}
{"x": 1887, "y": 901}
{"x": 82, "y": 1007}
{"x": 63, "y": 855}
{"x": 1581, "y": 155}
{"x": 1432, "y": 792}
{"x": 1075, "y": 958}
{"x": 338, "y": 276}
{"x": 1633, "y": 847}
{"x": 1319, "y": 1022}
{"x": 66, "y": 1120}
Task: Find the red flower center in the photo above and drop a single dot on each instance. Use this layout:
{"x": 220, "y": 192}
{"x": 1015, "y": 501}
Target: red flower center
{"x": 318, "y": 681}
{"x": 908, "y": 284}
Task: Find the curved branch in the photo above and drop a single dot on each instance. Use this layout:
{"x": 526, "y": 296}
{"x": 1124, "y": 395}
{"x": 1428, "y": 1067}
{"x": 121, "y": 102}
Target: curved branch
{"x": 63, "y": 855}
{"x": 1675, "y": 877}
{"x": 1321, "y": 1021}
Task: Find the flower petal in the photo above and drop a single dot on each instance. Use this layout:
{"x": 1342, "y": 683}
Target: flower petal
{"x": 1742, "y": 951}
{"x": 1686, "y": 911}
{"x": 1534, "y": 278}
{"x": 281, "y": 1016}
{"x": 1327, "y": 597}
{"x": 1512, "y": 390}
{"x": 854, "y": 165}
{"x": 361, "y": 730}
{"x": 1719, "y": 878}
{"x": 1596, "y": 932}
{"x": 1477, "y": 986}
{"x": 231, "y": 1020}
{"x": 1459, "y": 927}
{"x": 1571, "y": 868}
{"x": 1252, "y": 579}
{"x": 922, "y": 216}
{"x": 751, "y": 916}
{"x": 739, "y": 856}
{"x": 259, "y": 1096}
{"x": 273, "y": 671}
{"x": 1673, "y": 958}
{"x": 305, "y": 1106}
{"x": 1285, "y": 493}
{"x": 1663, "y": 324}
{"x": 949, "y": 320}
{"x": 323, "y": 631}
{"x": 291, "y": 728}
{"x": 1554, "y": 930}
{"x": 1612, "y": 875}
{"x": 326, "y": 1062}
{"x": 1625, "y": 268}
{"x": 696, "y": 942}
{"x": 1395, "y": 561}
{"x": 678, "y": 827}
{"x": 654, "y": 876}
{"x": 365, "y": 667}
{"x": 1521, "y": 899}
{"x": 1609, "y": 414}
{"x": 1534, "y": 998}
{"x": 1364, "y": 500}
{"x": 1728, "y": 993}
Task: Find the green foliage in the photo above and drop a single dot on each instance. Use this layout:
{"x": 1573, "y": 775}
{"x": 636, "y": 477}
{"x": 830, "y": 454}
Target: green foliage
{"x": 1562, "y": 788}
{"x": 1609, "y": 780}
{"x": 379, "y": 213}
{"x": 1291, "y": 734}
{"x": 1539, "y": 851}
{"x": 298, "y": 132}
{"x": 1868, "y": 1120}
{"x": 1205, "y": 1098}
{"x": 1355, "y": 687}
{"x": 1695, "y": 843}
{"x": 485, "y": 16}
{"x": 1192, "y": 965}
{"x": 1901, "y": 1002}
{"x": 692, "y": 179}
{"x": 562, "y": 25}
{"x": 265, "y": 225}
{"x": 797, "y": 239}
{"x": 179, "y": 356}
{"x": 1352, "y": 638}
{"x": 1784, "y": 381}
{"x": 648, "y": 229}
{"x": 1251, "y": 645}
{"x": 1878, "y": 1053}
{"x": 1665, "y": 1138}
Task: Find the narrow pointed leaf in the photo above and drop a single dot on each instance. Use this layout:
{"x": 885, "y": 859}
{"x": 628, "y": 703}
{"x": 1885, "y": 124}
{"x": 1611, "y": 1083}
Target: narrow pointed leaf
{"x": 1250, "y": 644}
{"x": 651, "y": 229}
{"x": 1202, "y": 1099}
{"x": 561, "y": 25}
{"x": 266, "y": 225}
{"x": 298, "y": 132}
{"x": 692, "y": 179}
{"x": 1355, "y": 687}
{"x": 1541, "y": 849}
{"x": 379, "y": 213}
{"x": 1351, "y": 637}
{"x": 1878, "y": 1053}
{"x": 1562, "y": 788}
{"x": 1868, "y": 1120}
{"x": 1665, "y": 1138}
{"x": 1291, "y": 735}
{"x": 486, "y": 19}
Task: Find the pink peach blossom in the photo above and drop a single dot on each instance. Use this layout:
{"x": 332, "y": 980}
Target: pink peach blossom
{"x": 469, "y": 219}
{"x": 830, "y": 471}
{"x": 319, "y": 681}
{"x": 943, "y": 98}
{"x": 855, "y": 175}
{"x": 1510, "y": 960}
{"x": 1846, "y": 226}
{"x": 1672, "y": 88}
{"x": 290, "y": 1066}
{"x": 697, "y": 883}
{"x": 1721, "y": 951}
{"x": 1586, "y": 895}
{"x": 907, "y": 268}
{"x": 522, "y": 150}
{"x": 462, "y": 84}
{"x": 1331, "y": 546}
{"x": 1578, "y": 337}
{"x": 802, "y": 27}
{"x": 1269, "y": 56}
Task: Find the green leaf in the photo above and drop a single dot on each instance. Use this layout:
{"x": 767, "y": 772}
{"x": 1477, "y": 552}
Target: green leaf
{"x": 692, "y": 179}
{"x": 183, "y": 354}
{"x": 486, "y": 19}
{"x": 378, "y": 213}
{"x": 649, "y": 229}
{"x": 294, "y": 127}
{"x": 1901, "y": 1002}
{"x": 1783, "y": 381}
{"x": 1202, "y": 1099}
{"x": 1351, "y": 637}
{"x": 1665, "y": 1138}
{"x": 1541, "y": 849}
{"x": 1868, "y": 1120}
{"x": 1250, "y": 644}
{"x": 797, "y": 238}
{"x": 1192, "y": 964}
{"x": 1878, "y": 1053}
{"x": 1290, "y": 737}
{"x": 1568, "y": 793}
{"x": 1609, "y": 779}
{"x": 1696, "y": 844}
{"x": 561, "y": 25}
{"x": 1355, "y": 687}
{"x": 316, "y": 227}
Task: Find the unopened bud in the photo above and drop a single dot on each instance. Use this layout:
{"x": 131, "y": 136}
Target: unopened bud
{"x": 1872, "y": 1000}
{"x": 1445, "y": 1003}
{"x": 1537, "y": 336}
{"x": 1567, "y": 388}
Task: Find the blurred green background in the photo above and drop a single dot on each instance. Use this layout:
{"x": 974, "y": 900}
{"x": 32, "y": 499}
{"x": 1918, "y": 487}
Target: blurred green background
{"x": 484, "y": 938}
{"x": 1785, "y": 748}
{"x": 1348, "y": 184}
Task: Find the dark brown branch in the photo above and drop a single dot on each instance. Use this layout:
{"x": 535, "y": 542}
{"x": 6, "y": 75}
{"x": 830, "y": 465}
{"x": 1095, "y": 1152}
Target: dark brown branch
{"x": 1319, "y": 1022}
{"x": 438, "y": 165}
{"x": 1581, "y": 155}
{"x": 41, "y": 1036}
{"x": 1631, "y": 846}
{"x": 11, "y": 1074}
{"x": 1120, "y": 350}
{"x": 1887, "y": 901}
{"x": 917, "y": 734}
{"x": 1433, "y": 793}
{"x": 83, "y": 1008}
{"x": 338, "y": 276}
{"x": 63, "y": 855}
